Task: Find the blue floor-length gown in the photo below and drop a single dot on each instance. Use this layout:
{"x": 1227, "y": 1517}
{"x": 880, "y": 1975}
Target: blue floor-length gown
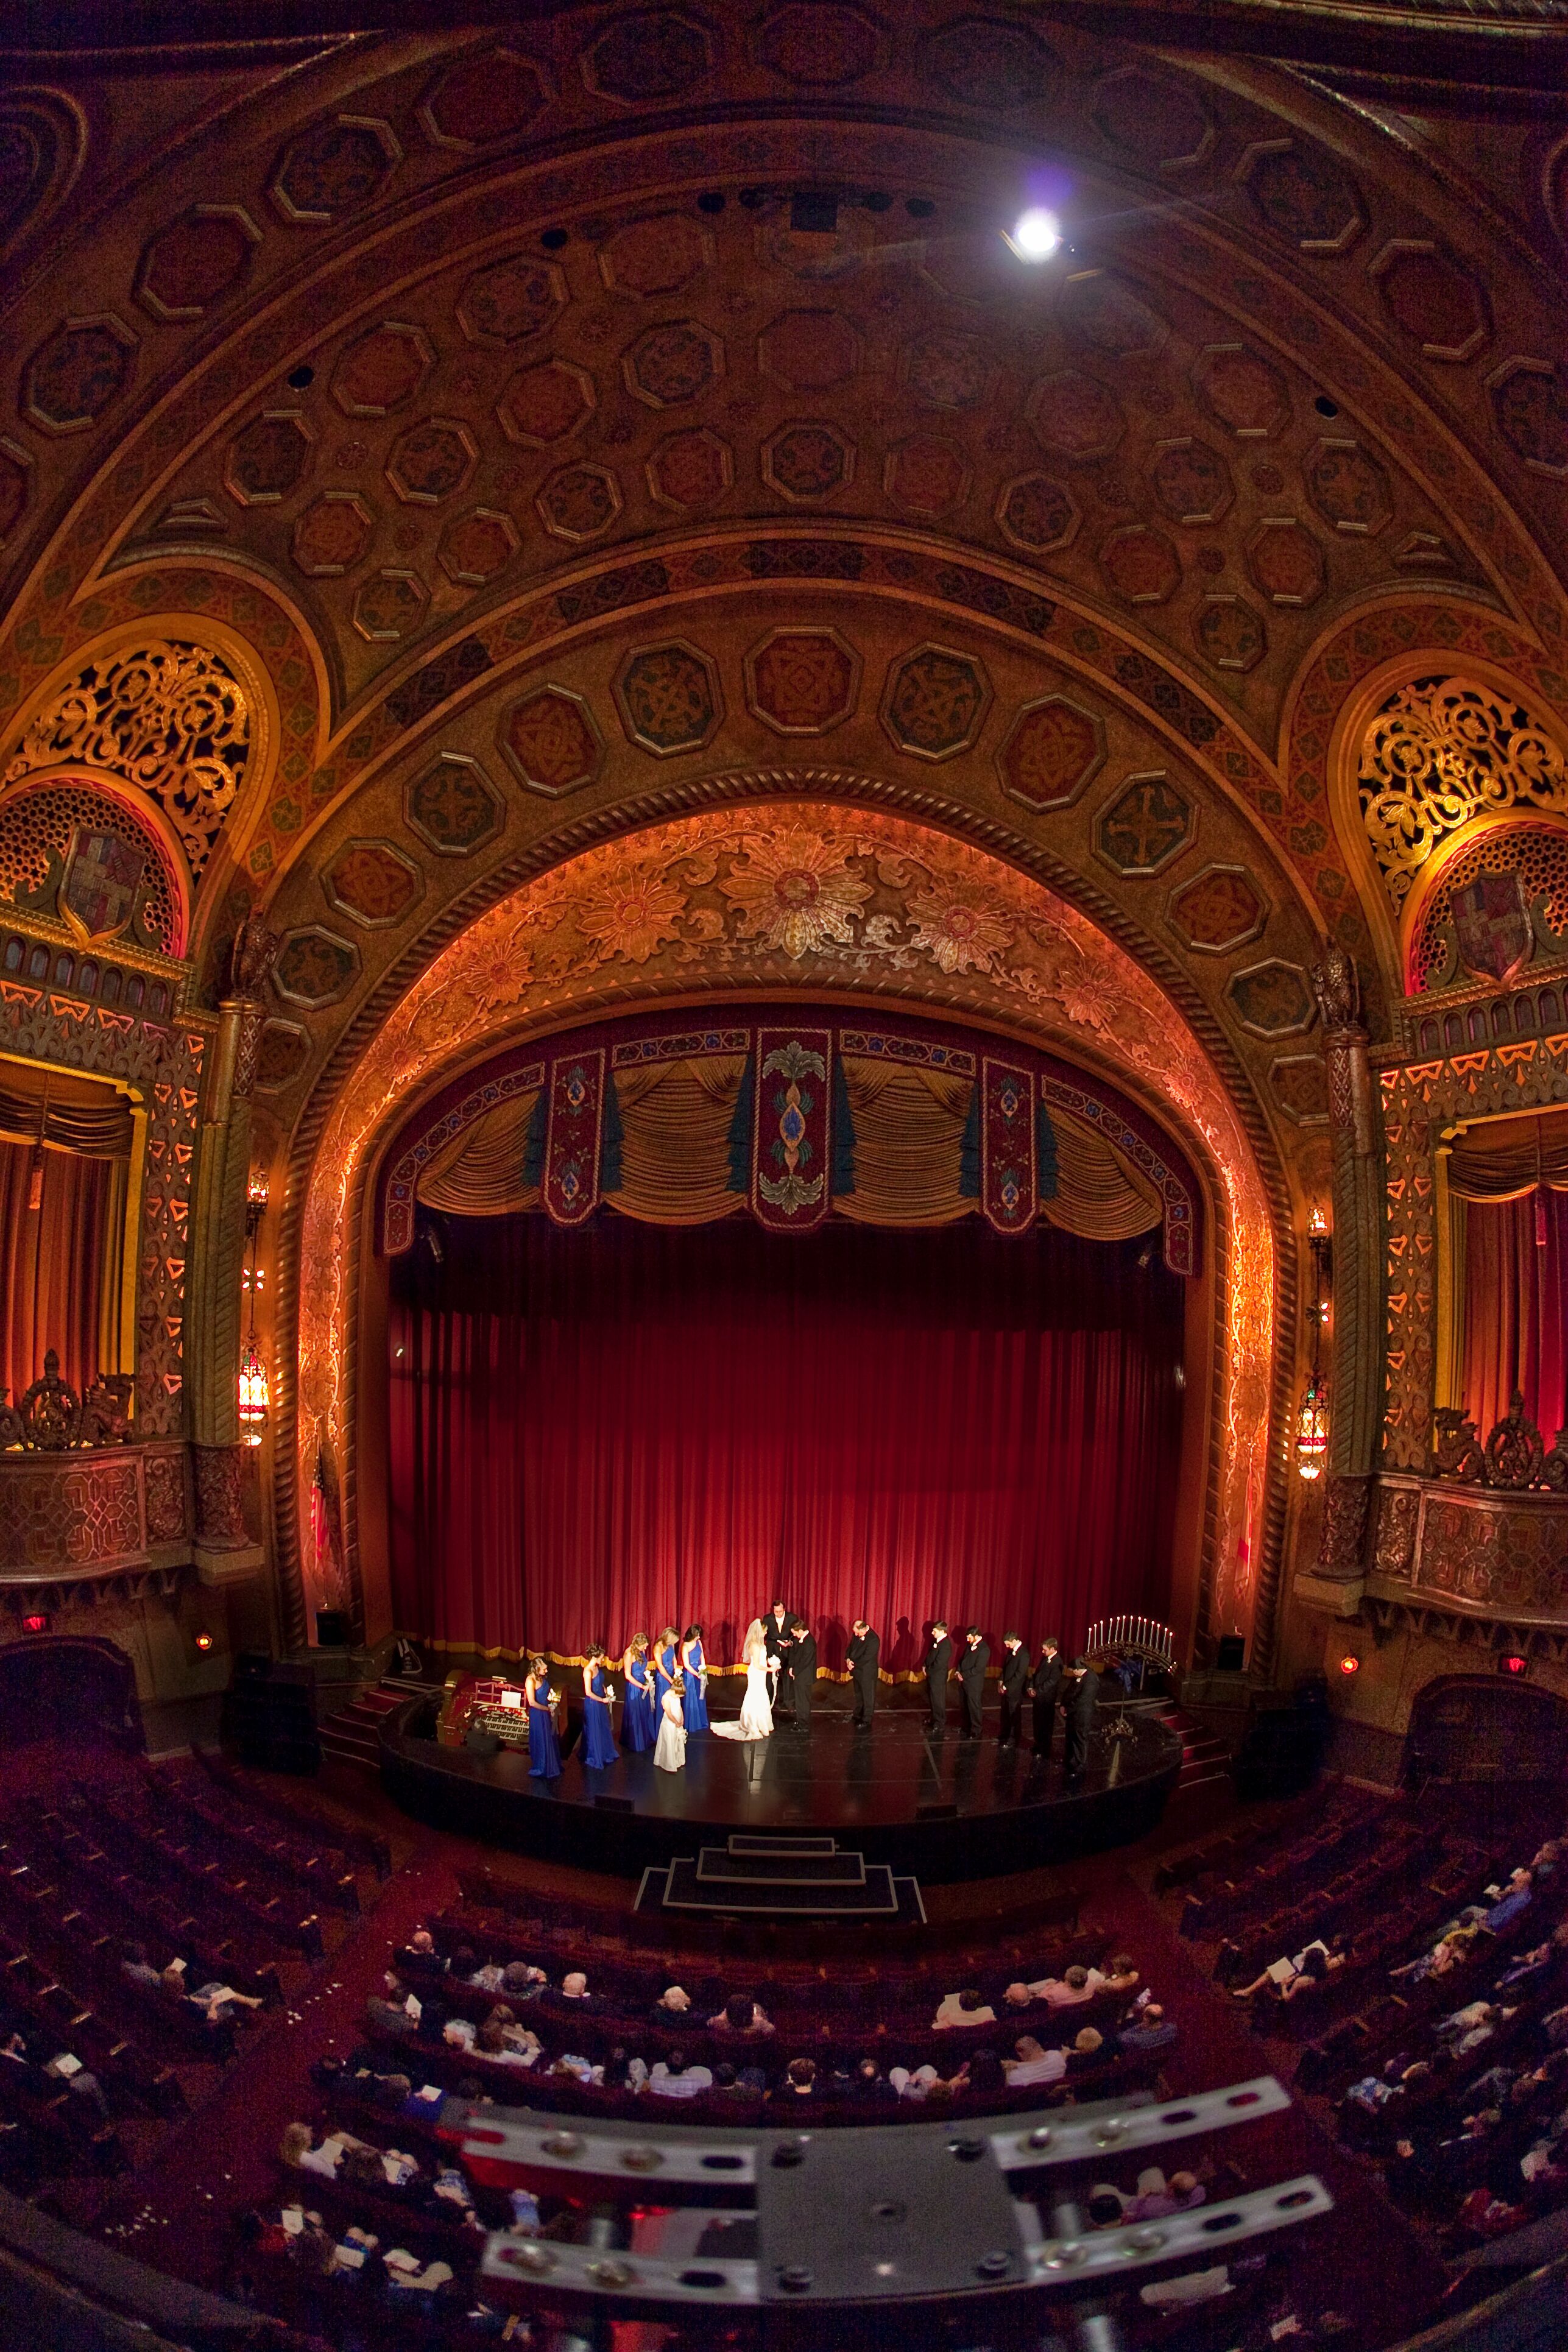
{"x": 694, "y": 1699}
{"x": 639, "y": 1728}
{"x": 543, "y": 1748}
{"x": 598, "y": 1737}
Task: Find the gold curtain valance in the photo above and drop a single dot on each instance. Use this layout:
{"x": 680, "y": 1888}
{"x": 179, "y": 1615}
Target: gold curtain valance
{"x": 77, "y": 1113}
{"x": 479, "y": 1174}
{"x": 1500, "y": 1159}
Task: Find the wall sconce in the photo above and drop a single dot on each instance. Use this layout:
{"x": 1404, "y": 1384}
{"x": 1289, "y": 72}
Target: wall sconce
{"x": 255, "y": 1394}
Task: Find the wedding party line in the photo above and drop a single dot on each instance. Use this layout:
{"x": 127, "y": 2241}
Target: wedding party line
{"x": 665, "y": 1696}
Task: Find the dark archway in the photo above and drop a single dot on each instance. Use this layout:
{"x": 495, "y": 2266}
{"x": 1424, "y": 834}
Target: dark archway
{"x": 71, "y": 1689}
{"x": 1487, "y": 1728}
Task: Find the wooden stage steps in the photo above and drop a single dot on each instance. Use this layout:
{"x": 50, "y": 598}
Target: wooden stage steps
{"x": 764, "y": 1878}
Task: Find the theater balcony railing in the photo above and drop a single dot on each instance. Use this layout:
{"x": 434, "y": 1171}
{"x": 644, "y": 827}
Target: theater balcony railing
{"x": 1478, "y": 1549}
{"x": 89, "y": 1514}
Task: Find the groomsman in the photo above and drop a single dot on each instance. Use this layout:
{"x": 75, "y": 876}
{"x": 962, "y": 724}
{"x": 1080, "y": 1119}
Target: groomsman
{"x": 862, "y": 1656}
{"x": 939, "y": 1664}
{"x": 1015, "y": 1677}
{"x": 1080, "y": 1709}
{"x": 1046, "y": 1690}
{"x": 780, "y": 1645}
{"x": 972, "y": 1668}
{"x": 802, "y": 1669}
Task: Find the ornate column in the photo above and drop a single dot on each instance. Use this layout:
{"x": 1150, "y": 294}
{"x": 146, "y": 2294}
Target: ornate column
{"x": 1356, "y": 1378}
{"x": 212, "y": 1328}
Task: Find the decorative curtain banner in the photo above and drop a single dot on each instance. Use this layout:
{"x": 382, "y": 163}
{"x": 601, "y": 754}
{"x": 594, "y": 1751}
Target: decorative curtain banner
{"x": 574, "y": 1138}
{"x": 480, "y": 1172}
{"x": 397, "y": 1217}
{"x": 1181, "y": 1225}
{"x": 1009, "y": 1186}
{"x": 675, "y": 1139}
{"x": 1501, "y": 1159}
{"x": 1094, "y": 1191}
{"x": 1516, "y": 1307}
{"x": 792, "y": 1144}
{"x": 908, "y": 1142}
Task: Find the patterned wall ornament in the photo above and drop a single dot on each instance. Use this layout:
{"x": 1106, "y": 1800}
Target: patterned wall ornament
{"x": 314, "y": 967}
{"x": 1191, "y": 480}
{"x": 1432, "y": 298}
{"x": 1302, "y": 194}
{"x": 948, "y": 371}
{"x": 1009, "y": 1181}
{"x": 1218, "y": 910}
{"x": 1533, "y": 855}
{"x": 1076, "y": 416}
{"x": 1245, "y": 392}
{"x": 669, "y": 699}
{"x": 656, "y": 256}
{"x": 550, "y": 741}
{"x": 484, "y": 99}
{"x": 331, "y": 534}
{"x": 1300, "y": 1085}
{"x": 574, "y": 1137}
{"x": 1286, "y": 561}
{"x": 431, "y": 461}
{"x": 807, "y": 461}
{"x": 478, "y": 546}
{"x": 935, "y": 702}
{"x": 670, "y": 366}
{"x": 390, "y": 606}
{"x": 1147, "y": 113}
{"x": 690, "y": 470}
{"x": 281, "y": 1053}
{"x": 1440, "y": 751}
{"x": 1147, "y": 824}
{"x": 268, "y": 459}
{"x": 196, "y": 261}
{"x": 1036, "y": 513}
{"x": 809, "y": 350}
{"x": 371, "y": 883}
{"x": 452, "y": 806}
{"x": 382, "y": 371}
{"x": 1273, "y": 999}
{"x": 78, "y": 372}
{"x": 512, "y": 301}
{"x": 334, "y": 168}
{"x": 579, "y": 502}
{"x": 1050, "y": 752}
{"x": 1141, "y": 564}
{"x": 1101, "y": 313}
{"x": 544, "y": 404}
{"x": 791, "y": 1142}
{"x": 803, "y": 681}
{"x": 1529, "y": 401}
{"x": 1349, "y": 488}
{"x": 50, "y": 827}
{"x": 993, "y": 65}
{"x": 170, "y": 718}
{"x": 15, "y": 470}
{"x": 1229, "y": 633}
{"x": 649, "y": 54}
{"x": 926, "y": 476}
{"x": 818, "y": 46}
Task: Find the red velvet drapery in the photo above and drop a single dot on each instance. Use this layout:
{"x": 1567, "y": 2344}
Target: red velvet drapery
{"x": 1516, "y": 1309}
{"x": 50, "y": 1263}
{"x": 595, "y": 1432}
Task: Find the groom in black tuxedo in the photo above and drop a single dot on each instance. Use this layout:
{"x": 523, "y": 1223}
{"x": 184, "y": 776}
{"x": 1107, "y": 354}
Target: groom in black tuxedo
{"x": 776, "y": 1627}
{"x": 802, "y": 1669}
{"x": 862, "y": 1656}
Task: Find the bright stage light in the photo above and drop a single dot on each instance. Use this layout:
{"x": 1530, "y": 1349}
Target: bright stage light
{"x": 1035, "y": 234}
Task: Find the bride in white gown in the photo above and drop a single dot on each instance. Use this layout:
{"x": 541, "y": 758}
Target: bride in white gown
{"x": 756, "y": 1708}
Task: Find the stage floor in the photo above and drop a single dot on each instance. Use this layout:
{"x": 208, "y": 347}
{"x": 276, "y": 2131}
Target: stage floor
{"x": 941, "y": 1809}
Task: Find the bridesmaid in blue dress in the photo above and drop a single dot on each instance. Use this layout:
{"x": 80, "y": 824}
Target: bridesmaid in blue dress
{"x": 543, "y": 1748}
{"x": 598, "y": 1725}
{"x": 665, "y": 1666}
{"x": 639, "y": 1728}
{"x": 694, "y": 1697}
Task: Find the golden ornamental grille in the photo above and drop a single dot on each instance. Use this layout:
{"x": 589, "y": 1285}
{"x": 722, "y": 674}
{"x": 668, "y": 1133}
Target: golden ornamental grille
{"x": 1537, "y": 853}
{"x": 1440, "y": 752}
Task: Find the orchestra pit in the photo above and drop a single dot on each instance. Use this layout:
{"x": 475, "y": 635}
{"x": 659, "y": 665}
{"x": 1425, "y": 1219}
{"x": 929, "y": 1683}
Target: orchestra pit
{"x": 784, "y": 1175}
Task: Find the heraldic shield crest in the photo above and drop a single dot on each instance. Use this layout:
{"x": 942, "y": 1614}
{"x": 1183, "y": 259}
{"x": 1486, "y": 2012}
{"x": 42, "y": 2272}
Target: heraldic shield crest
{"x": 1493, "y": 926}
{"x": 101, "y": 883}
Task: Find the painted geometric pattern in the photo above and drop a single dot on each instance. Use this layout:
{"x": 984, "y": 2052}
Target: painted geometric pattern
{"x": 802, "y": 681}
{"x": 935, "y": 702}
{"x": 668, "y": 698}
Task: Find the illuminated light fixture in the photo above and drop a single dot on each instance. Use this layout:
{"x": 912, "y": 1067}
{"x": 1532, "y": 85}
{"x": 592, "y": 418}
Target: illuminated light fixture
{"x": 204, "y": 1642}
{"x": 1317, "y": 1224}
{"x": 1350, "y": 1664}
{"x": 36, "y": 1624}
{"x": 1312, "y": 1430}
{"x": 255, "y": 1396}
{"x": 1515, "y": 1664}
{"x": 1034, "y": 236}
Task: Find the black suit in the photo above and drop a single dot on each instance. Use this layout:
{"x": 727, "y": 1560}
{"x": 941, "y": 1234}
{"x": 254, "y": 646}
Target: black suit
{"x": 1085, "y": 1698}
{"x": 1015, "y": 1681}
{"x": 972, "y": 1661}
{"x": 862, "y": 1655}
{"x": 1046, "y": 1689}
{"x": 803, "y": 1676}
{"x": 780, "y": 1645}
{"x": 937, "y": 1668}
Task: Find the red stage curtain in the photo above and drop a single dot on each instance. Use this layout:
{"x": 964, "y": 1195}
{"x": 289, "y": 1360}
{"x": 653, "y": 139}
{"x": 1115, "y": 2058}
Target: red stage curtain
{"x": 51, "y": 1264}
{"x": 1516, "y": 1310}
{"x": 595, "y": 1432}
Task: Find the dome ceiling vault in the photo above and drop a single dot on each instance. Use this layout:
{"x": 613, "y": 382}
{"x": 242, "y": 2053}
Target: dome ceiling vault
{"x": 488, "y": 394}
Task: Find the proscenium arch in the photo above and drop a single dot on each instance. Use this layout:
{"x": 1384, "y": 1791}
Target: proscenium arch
{"x": 543, "y": 956}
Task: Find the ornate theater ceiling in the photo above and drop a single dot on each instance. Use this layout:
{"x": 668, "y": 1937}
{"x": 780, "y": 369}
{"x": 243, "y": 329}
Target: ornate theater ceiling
{"x": 471, "y": 445}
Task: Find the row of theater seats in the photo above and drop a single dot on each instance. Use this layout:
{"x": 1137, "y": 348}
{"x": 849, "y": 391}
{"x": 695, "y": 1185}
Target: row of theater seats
{"x": 1327, "y": 1844}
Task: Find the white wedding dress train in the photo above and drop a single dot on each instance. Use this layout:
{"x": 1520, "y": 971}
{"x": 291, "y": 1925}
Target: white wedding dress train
{"x": 756, "y": 1711}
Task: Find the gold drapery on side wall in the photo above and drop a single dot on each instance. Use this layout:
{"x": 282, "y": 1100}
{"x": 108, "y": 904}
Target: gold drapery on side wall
{"x": 909, "y": 1142}
{"x": 1501, "y": 1159}
{"x": 479, "y": 1174}
{"x": 675, "y": 1139}
{"x": 1099, "y": 1194}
